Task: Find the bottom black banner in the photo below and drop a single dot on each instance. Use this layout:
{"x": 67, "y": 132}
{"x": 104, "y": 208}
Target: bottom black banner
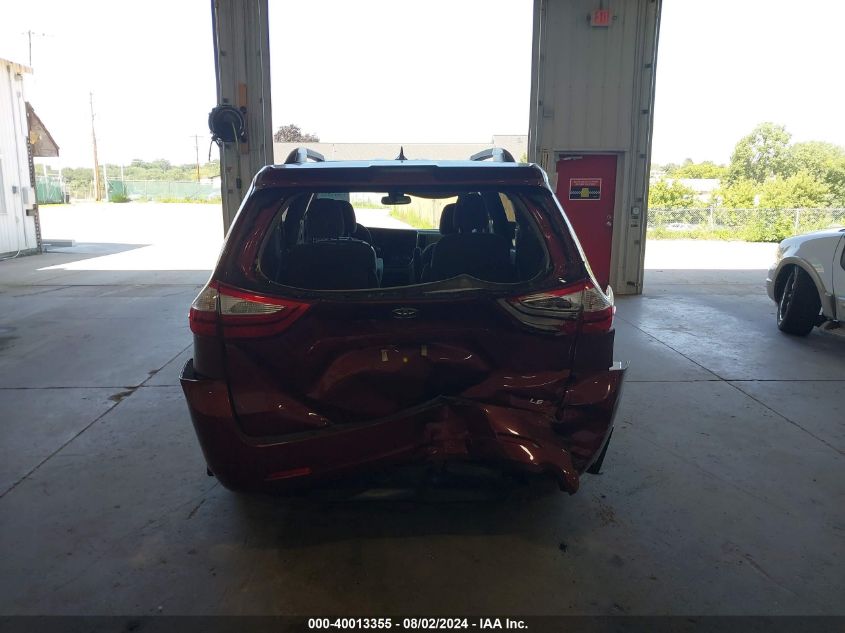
{"x": 538, "y": 624}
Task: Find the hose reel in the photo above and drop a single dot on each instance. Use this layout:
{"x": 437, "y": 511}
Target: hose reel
{"x": 227, "y": 124}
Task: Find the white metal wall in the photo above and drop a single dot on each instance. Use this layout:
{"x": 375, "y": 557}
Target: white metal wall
{"x": 592, "y": 90}
{"x": 17, "y": 230}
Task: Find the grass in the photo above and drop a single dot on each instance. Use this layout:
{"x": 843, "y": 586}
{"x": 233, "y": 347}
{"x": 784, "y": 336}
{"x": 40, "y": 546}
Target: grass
{"x": 422, "y": 213}
{"x": 756, "y": 232}
{"x": 367, "y": 204}
{"x": 412, "y": 217}
{"x": 214, "y": 200}
{"x": 662, "y": 233}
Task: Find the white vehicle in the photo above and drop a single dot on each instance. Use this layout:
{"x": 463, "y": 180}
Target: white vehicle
{"x": 807, "y": 281}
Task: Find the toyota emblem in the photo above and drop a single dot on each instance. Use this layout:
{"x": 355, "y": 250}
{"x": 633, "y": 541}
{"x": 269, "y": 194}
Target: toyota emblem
{"x": 405, "y": 313}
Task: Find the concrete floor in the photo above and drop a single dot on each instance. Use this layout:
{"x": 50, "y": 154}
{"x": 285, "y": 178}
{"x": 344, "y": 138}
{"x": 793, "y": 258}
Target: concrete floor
{"x": 722, "y": 492}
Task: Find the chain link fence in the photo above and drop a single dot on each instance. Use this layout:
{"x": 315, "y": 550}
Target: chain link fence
{"x": 51, "y": 189}
{"x": 48, "y": 190}
{"x": 163, "y": 190}
{"x": 752, "y": 225}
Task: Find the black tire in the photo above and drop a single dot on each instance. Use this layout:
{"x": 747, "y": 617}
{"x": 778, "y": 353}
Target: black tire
{"x": 799, "y": 304}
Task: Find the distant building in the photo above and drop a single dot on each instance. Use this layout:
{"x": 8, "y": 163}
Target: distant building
{"x": 704, "y": 188}
{"x": 22, "y": 136}
{"x": 516, "y": 144}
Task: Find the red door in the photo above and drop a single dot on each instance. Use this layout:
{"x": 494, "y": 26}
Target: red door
{"x": 586, "y": 187}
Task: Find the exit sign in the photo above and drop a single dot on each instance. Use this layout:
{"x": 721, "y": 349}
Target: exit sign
{"x": 600, "y": 17}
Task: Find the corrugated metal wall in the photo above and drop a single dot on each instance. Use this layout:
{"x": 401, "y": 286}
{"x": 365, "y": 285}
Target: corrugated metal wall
{"x": 17, "y": 230}
{"x": 588, "y": 85}
{"x": 592, "y": 90}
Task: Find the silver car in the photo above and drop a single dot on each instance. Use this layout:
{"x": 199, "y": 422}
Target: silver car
{"x": 807, "y": 281}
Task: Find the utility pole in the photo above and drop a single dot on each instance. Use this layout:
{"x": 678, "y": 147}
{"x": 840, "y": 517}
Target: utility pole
{"x": 29, "y": 35}
{"x": 106, "y": 181}
{"x": 97, "y": 195}
{"x": 197, "y": 150}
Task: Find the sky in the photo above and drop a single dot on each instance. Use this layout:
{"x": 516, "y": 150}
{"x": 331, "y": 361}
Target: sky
{"x": 412, "y": 71}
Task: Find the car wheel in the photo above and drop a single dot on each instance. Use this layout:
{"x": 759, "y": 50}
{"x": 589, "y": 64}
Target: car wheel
{"x": 799, "y": 305}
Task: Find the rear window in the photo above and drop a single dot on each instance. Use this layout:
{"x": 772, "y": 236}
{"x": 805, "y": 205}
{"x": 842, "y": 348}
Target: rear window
{"x": 351, "y": 240}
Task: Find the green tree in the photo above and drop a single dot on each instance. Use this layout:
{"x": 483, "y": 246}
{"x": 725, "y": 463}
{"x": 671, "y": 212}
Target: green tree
{"x": 814, "y": 157}
{"x": 737, "y": 195}
{"x": 799, "y": 191}
{"x": 669, "y": 168}
{"x": 705, "y": 169}
{"x": 767, "y": 225}
{"x": 293, "y": 134}
{"x": 665, "y": 194}
{"x": 211, "y": 169}
{"x": 760, "y": 155}
{"x": 825, "y": 162}
{"x": 163, "y": 170}
{"x": 835, "y": 180}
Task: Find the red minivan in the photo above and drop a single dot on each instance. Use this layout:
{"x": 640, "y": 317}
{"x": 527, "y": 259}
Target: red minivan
{"x": 325, "y": 346}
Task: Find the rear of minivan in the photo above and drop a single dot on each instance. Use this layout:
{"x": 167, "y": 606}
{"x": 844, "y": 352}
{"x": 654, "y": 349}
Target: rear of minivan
{"x": 299, "y": 377}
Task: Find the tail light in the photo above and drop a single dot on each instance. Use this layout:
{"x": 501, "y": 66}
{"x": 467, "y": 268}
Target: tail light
{"x": 241, "y": 314}
{"x": 563, "y": 309}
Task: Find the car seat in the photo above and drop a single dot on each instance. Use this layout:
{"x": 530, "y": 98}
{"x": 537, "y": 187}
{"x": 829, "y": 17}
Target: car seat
{"x": 353, "y": 229}
{"x": 472, "y": 249}
{"x": 447, "y": 227}
{"x": 325, "y": 259}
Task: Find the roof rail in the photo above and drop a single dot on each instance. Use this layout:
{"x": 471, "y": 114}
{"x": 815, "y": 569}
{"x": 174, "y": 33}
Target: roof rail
{"x": 301, "y": 155}
{"x": 498, "y": 155}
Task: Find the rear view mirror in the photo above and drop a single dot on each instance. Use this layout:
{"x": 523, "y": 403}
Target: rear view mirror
{"x": 396, "y": 198}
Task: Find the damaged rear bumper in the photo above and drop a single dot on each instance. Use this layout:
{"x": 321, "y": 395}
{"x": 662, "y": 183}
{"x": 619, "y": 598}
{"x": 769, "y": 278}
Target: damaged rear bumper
{"x": 565, "y": 440}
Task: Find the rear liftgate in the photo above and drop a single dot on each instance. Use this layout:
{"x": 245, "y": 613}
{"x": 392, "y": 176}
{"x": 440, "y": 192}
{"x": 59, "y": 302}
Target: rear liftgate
{"x": 329, "y": 386}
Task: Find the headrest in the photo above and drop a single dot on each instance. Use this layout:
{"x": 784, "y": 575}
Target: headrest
{"x": 349, "y": 220}
{"x": 447, "y": 219}
{"x": 324, "y": 220}
{"x": 471, "y": 214}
